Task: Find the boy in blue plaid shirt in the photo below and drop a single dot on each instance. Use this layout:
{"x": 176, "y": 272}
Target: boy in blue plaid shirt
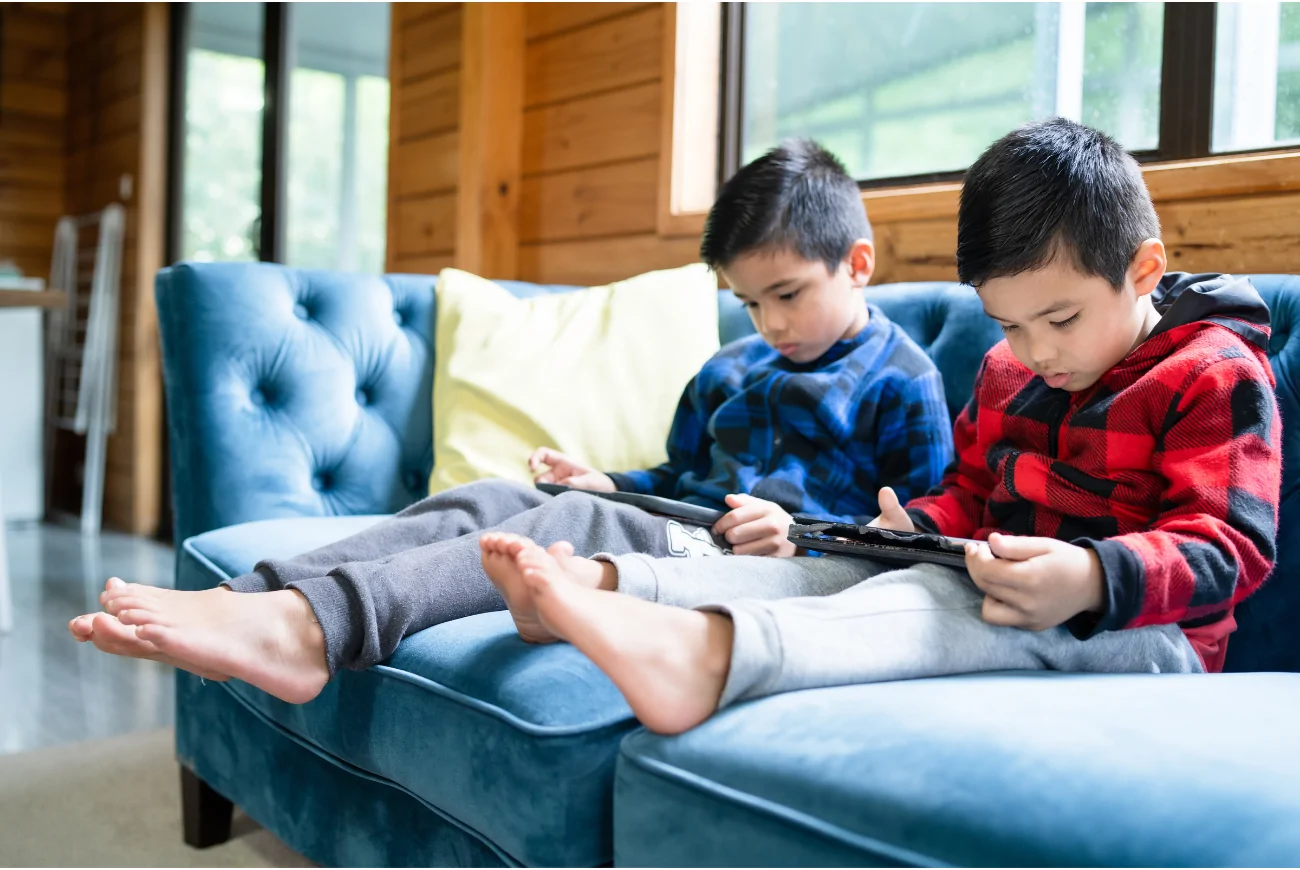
{"x": 826, "y": 405}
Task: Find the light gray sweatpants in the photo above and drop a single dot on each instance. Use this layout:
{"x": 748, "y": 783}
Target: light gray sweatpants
{"x": 807, "y": 623}
{"x": 423, "y": 566}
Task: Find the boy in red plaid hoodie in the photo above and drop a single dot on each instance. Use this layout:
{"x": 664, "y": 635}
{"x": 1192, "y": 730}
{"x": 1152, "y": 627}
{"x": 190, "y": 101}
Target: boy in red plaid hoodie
{"x": 1119, "y": 463}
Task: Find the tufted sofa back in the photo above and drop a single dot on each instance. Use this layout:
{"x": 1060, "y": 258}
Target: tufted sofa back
{"x": 294, "y": 392}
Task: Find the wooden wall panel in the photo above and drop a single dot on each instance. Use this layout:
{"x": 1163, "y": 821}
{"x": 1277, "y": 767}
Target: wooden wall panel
{"x": 600, "y": 261}
{"x": 33, "y": 126}
{"x": 1233, "y": 234}
{"x": 546, "y": 19}
{"x": 588, "y": 205}
{"x": 426, "y": 43}
{"x": 430, "y": 105}
{"x": 611, "y": 54}
{"x": 427, "y": 225}
{"x": 602, "y": 201}
{"x": 117, "y": 97}
{"x": 620, "y": 125}
{"x": 424, "y": 140}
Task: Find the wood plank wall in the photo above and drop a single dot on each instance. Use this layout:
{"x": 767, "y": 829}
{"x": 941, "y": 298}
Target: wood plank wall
{"x": 592, "y": 102}
{"x": 424, "y": 149}
{"x": 116, "y": 152}
{"x": 591, "y": 140}
{"x": 33, "y": 127}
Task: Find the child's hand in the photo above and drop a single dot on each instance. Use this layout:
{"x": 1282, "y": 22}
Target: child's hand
{"x": 567, "y": 471}
{"x": 1034, "y": 583}
{"x": 892, "y": 516}
{"x": 755, "y": 527}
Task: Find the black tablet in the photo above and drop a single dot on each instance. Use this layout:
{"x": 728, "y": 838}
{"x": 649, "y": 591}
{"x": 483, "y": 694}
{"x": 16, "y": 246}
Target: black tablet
{"x": 884, "y": 545}
{"x": 665, "y": 507}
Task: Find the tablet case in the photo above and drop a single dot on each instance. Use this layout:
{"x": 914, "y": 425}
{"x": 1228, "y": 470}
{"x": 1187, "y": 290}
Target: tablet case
{"x": 666, "y": 507}
{"x": 884, "y": 545}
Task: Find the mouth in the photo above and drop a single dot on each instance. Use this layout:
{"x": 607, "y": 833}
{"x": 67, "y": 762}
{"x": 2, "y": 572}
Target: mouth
{"x": 786, "y": 349}
{"x": 1058, "y": 381}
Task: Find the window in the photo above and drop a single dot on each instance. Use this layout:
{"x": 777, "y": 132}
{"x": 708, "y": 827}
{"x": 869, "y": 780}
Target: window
{"x": 323, "y": 191}
{"x": 915, "y": 91}
{"x": 1257, "y": 76}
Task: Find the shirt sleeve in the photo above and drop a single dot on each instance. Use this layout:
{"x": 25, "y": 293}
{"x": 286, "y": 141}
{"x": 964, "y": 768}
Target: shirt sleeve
{"x": 913, "y": 436}
{"x": 1214, "y": 540}
{"x": 689, "y": 446}
{"x": 956, "y": 506}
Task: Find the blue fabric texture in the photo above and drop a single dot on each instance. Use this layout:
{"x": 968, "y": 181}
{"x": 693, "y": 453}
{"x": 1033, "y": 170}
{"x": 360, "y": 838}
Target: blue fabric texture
{"x": 1012, "y": 769}
{"x": 817, "y": 438}
{"x": 302, "y": 399}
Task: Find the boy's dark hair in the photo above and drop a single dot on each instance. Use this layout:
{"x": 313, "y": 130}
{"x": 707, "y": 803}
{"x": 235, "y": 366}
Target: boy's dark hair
{"x": 796, "y": 197}
{"x": 1053, "y": 188}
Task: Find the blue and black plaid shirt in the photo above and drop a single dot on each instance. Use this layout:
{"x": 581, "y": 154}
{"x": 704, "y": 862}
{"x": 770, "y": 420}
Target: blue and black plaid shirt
{"x": 817, "y": 438}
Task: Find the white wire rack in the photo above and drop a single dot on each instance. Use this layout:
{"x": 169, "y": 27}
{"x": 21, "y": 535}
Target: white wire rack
{"x": 81, "y": 345}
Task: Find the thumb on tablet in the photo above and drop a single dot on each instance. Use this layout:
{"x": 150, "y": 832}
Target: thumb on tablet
{"x": 892, "y": 516}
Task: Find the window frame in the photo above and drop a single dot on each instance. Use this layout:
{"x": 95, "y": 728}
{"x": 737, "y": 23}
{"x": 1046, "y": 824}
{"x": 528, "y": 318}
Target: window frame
{"x": 1186, "y": 99}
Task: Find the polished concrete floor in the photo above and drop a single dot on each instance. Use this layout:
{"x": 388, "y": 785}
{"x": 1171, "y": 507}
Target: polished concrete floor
{"x": 52, "y": 689}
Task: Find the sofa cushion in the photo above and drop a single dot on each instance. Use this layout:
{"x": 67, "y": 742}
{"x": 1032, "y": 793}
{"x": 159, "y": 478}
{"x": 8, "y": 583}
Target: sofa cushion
{"x": 1005, "y": 769}
{"x": 514, "y": 742}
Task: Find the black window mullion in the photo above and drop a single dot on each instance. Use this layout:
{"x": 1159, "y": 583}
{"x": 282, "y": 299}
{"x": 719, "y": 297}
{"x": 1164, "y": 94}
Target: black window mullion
{"x": 1187, "y": 81}
{"x": 733, "y": 85}
{"x": 277, "y": 49}
{"x": 178, "y": 62}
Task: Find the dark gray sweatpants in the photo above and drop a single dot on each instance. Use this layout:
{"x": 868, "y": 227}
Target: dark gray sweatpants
{"x": 422, "y": 566}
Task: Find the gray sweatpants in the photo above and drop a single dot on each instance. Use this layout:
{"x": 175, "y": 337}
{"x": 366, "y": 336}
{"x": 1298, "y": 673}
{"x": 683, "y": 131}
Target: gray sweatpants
{"x": 423, "y": 566}
{"x": 808, "y": 623}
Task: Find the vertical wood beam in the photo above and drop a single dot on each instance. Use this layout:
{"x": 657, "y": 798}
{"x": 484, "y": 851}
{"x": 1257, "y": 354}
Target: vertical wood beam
{"x": 491, "y": 138}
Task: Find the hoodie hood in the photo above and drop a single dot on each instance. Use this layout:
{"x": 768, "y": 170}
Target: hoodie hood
{"x": 1227, "y": 300}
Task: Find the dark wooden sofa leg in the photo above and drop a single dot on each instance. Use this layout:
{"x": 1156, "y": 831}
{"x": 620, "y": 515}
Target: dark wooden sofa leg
{"x": 207, "y": 813}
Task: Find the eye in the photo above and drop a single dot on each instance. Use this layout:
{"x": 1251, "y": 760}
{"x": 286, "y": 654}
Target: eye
{"x": 1008, "y": 328}
{"x": 1062, "y": 324}
{"x": 786, "y": 297}
{"x": 751, "y": 305}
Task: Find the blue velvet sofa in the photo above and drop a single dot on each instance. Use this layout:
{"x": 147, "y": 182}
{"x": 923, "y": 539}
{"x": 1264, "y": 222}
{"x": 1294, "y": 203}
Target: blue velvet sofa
{"x": 298, "y": 406}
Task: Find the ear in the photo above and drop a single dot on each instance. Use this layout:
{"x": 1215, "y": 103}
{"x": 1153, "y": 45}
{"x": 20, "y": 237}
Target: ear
{"x": 861, "y": 261}
{"x": 1147, "y": 267}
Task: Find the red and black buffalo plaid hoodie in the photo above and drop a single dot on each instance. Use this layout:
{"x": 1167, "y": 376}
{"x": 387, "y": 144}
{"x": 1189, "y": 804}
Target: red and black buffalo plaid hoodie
{"x": 1169, "y": 467}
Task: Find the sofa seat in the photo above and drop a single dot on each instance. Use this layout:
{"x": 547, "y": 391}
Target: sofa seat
{"x": 515, "y": 744}
{"x": 1001, "y": 769}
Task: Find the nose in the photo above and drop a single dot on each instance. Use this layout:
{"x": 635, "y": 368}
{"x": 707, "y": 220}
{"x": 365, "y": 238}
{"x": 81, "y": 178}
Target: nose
{"x": 1041, "y": 351}
{"x": 771, "y": 323}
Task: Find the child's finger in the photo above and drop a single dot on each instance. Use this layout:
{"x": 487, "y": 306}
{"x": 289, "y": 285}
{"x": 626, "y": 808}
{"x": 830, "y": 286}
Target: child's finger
{"x": 737, "y": 517}
{"x": 997, "y": 612}
{"x": 747, "y": 533}
{"x": 1018, "y": 547}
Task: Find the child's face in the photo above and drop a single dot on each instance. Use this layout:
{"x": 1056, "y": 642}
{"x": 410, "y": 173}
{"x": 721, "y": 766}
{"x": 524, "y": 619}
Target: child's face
{"x": 1072, "y": 328}
{"x": 797, "y": 305}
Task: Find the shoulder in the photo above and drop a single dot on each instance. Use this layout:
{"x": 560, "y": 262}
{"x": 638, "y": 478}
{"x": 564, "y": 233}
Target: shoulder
{"x": 1202, "y": 355}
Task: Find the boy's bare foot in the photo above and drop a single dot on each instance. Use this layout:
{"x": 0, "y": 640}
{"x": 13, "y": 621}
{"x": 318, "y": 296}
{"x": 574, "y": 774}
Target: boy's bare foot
{"x": 670, "y": 664}
{"x": 270, "y": 640}
{"x": 111, "y": 636}
{"x": 500, "y": 551}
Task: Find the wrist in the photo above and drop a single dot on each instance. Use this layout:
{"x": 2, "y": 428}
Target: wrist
{"x": 1094, "y": 589}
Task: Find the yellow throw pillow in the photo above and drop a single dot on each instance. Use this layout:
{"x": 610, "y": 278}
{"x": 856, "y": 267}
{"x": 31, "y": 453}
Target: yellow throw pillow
{"x": 595, "y": 373}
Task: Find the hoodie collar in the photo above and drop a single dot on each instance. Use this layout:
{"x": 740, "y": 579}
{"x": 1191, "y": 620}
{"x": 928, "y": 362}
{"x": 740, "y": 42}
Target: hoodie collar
{"x": 1230, "y": 301}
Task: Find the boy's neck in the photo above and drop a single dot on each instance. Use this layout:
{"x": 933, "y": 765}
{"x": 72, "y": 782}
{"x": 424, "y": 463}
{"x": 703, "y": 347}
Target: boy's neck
{"x": 1150, "y": 318}
{"x": 859, "y": 323}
